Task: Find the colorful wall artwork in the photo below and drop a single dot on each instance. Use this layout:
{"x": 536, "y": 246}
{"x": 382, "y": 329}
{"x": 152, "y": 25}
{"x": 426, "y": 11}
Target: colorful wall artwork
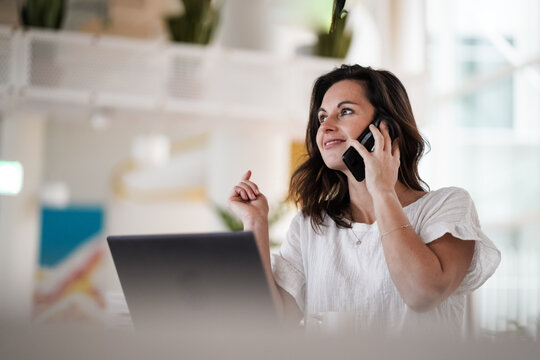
{"x": 69, "y": 277}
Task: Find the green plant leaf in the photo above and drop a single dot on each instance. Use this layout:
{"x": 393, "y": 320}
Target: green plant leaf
{"x": 43, "y": 13}
{"x": 337, "y": 12}
{"x": 335, "y": 43}
{"x": 196, "y": 25}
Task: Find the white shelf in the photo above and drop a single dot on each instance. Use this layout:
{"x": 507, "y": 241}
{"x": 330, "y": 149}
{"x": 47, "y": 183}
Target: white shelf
{"x": 116, "y": 72}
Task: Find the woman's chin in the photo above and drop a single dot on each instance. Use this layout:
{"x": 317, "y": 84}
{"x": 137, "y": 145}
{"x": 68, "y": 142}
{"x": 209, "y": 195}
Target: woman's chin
{"x": 337, "y": 166}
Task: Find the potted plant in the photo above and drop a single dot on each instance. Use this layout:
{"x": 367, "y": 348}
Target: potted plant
{"x": 196, "y": 24}
{"x": 337, "y": 41}
{"x": 42, "y": 13}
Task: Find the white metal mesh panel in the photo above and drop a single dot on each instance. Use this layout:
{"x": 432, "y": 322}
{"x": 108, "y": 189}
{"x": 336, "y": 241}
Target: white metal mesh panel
{"x": 186, "y": 74}
{"x": 81, "y": 64}
{"x": 6, "y": 66}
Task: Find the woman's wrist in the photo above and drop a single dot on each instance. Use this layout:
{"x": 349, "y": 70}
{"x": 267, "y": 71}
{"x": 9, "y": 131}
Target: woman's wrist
{"x": 384, "y": 201}
{"x": 383, "y": 195}
{"x": 255, "y": 223}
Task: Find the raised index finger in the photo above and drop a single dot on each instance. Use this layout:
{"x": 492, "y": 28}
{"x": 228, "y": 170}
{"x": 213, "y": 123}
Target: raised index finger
{"x": 247, "y": 175}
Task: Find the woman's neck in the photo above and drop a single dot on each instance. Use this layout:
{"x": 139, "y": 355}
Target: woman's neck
{"x": 361, "y": 202}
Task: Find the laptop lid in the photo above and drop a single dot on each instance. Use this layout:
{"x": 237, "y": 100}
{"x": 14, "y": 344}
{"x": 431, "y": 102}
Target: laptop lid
{"x": 206, "y": 279}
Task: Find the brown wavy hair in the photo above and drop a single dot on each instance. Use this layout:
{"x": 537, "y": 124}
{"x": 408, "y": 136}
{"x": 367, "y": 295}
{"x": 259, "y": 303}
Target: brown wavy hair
{"x": 318, "y": 190}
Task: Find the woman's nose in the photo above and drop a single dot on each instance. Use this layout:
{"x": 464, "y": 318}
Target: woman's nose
{"x": 329, "y": 124}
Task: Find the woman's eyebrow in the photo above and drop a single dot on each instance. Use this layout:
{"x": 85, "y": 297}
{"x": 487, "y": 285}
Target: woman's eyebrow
{"x": 339, "y": 105}
{"x": 346, "y": 102}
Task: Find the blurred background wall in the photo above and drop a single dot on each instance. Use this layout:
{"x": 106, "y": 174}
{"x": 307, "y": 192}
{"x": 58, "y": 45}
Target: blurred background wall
{"x": 118, "y": 122}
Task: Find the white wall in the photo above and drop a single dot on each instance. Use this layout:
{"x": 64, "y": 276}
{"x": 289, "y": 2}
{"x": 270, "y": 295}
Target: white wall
{"x": 21, "y": 139}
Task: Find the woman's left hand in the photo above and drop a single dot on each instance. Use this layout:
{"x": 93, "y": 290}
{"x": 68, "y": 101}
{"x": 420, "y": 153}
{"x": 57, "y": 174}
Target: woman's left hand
{"x": 382, "y": 165}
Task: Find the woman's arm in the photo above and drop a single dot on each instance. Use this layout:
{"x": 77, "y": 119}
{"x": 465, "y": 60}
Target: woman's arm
{"x": 424, "y": 275}
{"x": 251, "y": 206}
{"x": 292, "y": 313}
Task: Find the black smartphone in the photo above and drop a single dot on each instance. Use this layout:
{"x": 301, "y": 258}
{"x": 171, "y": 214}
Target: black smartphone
{"x": 352, "y": 158}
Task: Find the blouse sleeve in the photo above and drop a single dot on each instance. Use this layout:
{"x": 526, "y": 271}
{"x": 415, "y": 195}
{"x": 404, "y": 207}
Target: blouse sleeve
{"x": 287, "y": 264}
{"x": 454, "y": 212}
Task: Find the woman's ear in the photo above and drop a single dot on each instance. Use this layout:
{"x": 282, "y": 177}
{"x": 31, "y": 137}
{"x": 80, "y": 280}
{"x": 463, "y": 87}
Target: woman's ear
{"x": 395, "y": 147}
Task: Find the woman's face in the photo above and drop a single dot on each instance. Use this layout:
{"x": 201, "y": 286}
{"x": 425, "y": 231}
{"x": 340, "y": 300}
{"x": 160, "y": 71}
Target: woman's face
{"x": 344, "y": 113}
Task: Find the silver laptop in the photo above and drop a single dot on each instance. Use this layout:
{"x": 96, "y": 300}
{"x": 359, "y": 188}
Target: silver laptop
{"x": 179, "y": 281}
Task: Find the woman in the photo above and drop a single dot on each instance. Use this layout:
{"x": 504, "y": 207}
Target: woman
{"x": 383, "y": 250}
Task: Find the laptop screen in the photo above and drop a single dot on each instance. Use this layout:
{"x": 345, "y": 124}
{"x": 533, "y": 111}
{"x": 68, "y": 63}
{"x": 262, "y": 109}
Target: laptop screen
{"x": 206, "y": 279}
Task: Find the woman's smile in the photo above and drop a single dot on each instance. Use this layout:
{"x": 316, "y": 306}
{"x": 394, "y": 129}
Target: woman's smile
{"x": 330, "y": 143}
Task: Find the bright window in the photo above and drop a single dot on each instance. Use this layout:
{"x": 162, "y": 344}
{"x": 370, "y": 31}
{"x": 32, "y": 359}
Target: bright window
{"x": 484, "y": 125}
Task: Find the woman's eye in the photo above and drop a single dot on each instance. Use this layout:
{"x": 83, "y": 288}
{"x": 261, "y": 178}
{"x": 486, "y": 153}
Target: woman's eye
{"x": 346, "y": 111}
{"x": 322, "y": 118}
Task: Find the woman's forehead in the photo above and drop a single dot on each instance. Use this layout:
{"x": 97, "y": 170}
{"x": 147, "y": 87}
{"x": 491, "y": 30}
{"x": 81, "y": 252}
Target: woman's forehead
{"x": 351, "y": 90}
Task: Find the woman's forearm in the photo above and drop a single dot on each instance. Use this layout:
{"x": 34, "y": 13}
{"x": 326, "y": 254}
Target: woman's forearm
{"x": 261, "y": 232}
{"x": 414, "y": 268}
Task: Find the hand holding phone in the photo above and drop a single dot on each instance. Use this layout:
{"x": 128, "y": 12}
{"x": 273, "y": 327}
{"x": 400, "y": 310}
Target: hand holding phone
{"x": 352, "y": 158}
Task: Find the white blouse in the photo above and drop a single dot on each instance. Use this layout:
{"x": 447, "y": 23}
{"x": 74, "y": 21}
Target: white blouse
{"x": 343, "y": 271}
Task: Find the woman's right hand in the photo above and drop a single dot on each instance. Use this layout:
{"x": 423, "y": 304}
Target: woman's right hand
{"x": 248, "y": 203}
{"x": 251, "y": 206}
